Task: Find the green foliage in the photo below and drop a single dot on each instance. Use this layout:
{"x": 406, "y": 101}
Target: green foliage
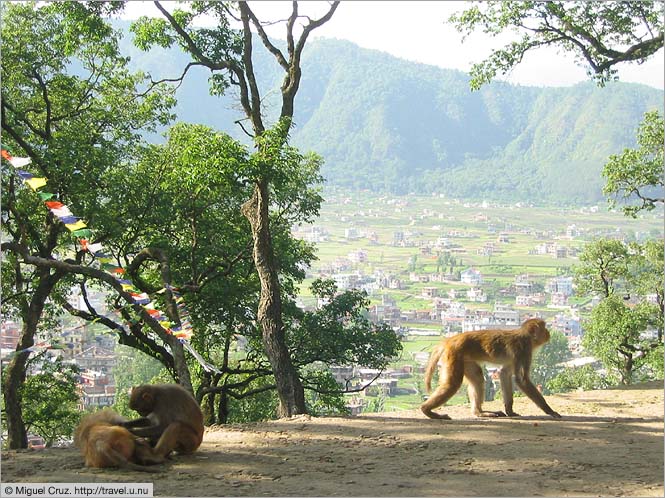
{"x": 339, "y": 333}
{"x": 635, "y": 177}
{"x": 546, "y": 362}
{"x": 183, "y": 198}
{"x": 600, "y": 34}
{"x": 326, "y": 398}
{"x": 70, "y": 103}
{"x": 615, "y": 335}
{"x": 134, "y": 368}
{"x": 645, "y": 269}
{"x": 376, "y": 405}
{"x": 260, "y": 406}
{"x": 219, "y": 44}
{"x": 626, "y": 338}
{"x": 294, "y": 177}
{"x": 585, "y": 378}
{"x": 51, "y": 401}
{"x": 603, "y": 265}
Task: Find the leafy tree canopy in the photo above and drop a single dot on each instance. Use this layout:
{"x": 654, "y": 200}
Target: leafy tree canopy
{"x": 635, "y": 177}
{"x": 615, "y": 335}
{"x": 548, "y": 359}
{"x": 600, "y": 34}
{"x": 585, "y": 377}
{"x": 51, "y": 408}
{"x": 70, "y": 104}
{"x": 603, "y": 263}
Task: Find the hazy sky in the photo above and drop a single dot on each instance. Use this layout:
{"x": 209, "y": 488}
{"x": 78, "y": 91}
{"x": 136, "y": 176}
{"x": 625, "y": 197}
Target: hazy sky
{"x": 417, "y": 31}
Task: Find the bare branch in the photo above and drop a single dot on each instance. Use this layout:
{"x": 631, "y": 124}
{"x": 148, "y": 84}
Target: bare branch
{"x": 347, "y": 390}
{"x": 264, "y": 38}
{"x": 242, "y": 127}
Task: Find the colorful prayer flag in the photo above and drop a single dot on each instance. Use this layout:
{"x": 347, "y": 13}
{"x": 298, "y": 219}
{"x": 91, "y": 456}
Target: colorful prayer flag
{"x": 84, "y": 232}
{"x": 68, "y": 220}
{"x": 63, "y": 211}
{"x": 75, "y": 226}
{"x": 17, "y": 162}
{"x": 93, "y": 248}
{"x": 24, "y": 175}
{"x": 36, "y": 183}
{"x": 79, "y": 230}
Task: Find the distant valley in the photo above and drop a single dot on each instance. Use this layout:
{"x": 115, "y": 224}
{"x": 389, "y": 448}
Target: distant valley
{"x": 389, "y": 125}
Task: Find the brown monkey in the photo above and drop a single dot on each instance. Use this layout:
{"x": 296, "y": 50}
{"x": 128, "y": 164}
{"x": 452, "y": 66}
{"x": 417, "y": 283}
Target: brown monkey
{"x": 170, "y": 418}
{"x": 103, "y": 443}
{"x": 459, "y": 356}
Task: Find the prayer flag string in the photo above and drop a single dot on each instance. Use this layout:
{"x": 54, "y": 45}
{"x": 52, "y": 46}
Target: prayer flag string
{"x": 79, "y": 229}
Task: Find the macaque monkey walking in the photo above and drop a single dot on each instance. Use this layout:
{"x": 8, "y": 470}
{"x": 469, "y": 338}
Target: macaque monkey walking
{"x": 460, "y": 357}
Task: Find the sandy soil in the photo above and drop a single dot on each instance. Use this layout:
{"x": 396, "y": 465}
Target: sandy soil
{"x": 609, "y": 443}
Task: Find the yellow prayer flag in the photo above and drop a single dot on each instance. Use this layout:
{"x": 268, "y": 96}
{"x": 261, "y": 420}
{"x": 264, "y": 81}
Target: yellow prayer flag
{"x": 76, "y": 226}
{"x": 36, "y": 183}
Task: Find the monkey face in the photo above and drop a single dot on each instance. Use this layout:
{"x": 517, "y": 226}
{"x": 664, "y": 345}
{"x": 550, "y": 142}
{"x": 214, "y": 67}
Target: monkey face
{"x": 142, "y": 401}
{"x": 538, "y": 330}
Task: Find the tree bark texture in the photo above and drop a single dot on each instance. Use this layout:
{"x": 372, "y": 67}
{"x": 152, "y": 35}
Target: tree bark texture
{"x": 269, "y": 315}
{"x": 15, "y": 374}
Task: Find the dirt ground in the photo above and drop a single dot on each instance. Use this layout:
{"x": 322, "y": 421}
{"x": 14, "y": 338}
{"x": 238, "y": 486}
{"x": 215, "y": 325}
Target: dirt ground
{"x": 609, "y": 443}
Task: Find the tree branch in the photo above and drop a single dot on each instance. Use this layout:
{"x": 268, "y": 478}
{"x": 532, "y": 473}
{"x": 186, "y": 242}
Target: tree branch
{"x": 65, "y": 267}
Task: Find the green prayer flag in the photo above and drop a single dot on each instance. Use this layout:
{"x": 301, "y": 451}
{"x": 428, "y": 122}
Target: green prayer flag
{"x": 82, "y": 233}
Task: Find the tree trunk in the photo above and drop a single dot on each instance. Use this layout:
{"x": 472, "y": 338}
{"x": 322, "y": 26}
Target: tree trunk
{"x": 289, "y": 388}
{"x": 223, "y": 408}
{"x": 628, "y": 370}
{"x": 14, "y": 376}
{"x": 180, "y": 363}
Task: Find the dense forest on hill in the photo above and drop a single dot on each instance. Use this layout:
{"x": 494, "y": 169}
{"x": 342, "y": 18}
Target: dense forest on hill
{"x": 386, "y": 124}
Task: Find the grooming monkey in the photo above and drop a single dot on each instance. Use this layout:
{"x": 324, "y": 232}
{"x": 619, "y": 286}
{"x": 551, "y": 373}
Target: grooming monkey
{"x": 104, "y": 443}
{"x": 170, "y": 418}
{"x": 460, "y": 355}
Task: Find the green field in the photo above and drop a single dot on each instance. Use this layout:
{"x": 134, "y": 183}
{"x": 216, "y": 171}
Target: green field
{"x": 467, "y": 228}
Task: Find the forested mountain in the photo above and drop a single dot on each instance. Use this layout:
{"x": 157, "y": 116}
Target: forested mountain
{"x": 387, "y": 124}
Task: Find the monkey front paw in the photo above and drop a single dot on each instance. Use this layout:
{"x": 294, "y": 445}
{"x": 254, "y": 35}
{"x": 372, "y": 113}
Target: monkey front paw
{"x": 434, "y": 415}
{"x": 487, "y": 413}
{"x": 512, "y": 414}
{"x": 440, "y": 416}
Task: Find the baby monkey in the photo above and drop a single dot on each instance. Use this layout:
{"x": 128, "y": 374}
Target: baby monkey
{"x": 460, "y": 356}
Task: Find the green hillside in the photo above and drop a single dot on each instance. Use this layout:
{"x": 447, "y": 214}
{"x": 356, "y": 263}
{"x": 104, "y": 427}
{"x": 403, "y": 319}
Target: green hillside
{"x": 387, "y": 124}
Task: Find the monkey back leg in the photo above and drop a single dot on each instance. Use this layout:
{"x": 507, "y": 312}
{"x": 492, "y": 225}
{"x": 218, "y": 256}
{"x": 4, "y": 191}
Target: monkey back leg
{"x": 476, "y": 379}
{"x": 177, "y": 437}
{"x": 506, "y": 378}
{"x": 450, "y": 384}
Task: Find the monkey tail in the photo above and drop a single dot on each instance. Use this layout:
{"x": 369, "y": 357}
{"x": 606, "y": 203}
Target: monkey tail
{"x": 432, "y": 364}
